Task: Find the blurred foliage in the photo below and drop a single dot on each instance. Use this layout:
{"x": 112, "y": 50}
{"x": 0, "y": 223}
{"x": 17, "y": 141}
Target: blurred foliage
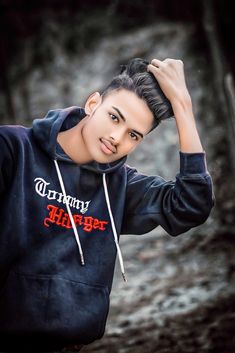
{"x": 31, "y": 33}
{"x": 82, "y": 22}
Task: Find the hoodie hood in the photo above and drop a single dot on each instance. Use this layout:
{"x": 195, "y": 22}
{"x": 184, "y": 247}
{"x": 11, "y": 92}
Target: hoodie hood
{"x": 47, "y": 129}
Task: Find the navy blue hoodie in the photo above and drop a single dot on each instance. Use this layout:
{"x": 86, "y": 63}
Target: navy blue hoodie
{"x": 56, "y": 214}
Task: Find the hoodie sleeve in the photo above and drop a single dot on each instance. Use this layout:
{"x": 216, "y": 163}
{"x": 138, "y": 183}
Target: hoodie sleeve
{"x": 6, "y": 163}
{"x": 176, "y": 205}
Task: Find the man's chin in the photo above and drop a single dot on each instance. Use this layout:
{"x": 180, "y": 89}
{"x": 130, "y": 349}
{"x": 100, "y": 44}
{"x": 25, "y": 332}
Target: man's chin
{"x": 106, "y": 160}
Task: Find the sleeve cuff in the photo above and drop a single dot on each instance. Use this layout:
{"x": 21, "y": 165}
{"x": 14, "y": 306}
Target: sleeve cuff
{"x": 193, "y": 163}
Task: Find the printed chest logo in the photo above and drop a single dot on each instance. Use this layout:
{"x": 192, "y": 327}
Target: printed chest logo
{"x": 58, "y": 216}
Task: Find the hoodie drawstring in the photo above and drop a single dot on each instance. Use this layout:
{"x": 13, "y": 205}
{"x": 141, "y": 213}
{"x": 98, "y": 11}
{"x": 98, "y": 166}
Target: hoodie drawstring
{"x": 113, "y": 228}
{"x": 69, "y": 212}
{"x": 75, "y": 228}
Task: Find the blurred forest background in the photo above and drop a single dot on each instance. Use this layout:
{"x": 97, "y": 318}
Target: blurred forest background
{"x": 180, "y": 295}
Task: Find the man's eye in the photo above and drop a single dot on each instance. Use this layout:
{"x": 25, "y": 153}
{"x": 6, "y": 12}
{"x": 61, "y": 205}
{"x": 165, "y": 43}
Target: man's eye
{"x": 114, "y": 117}
{"x": 133, "y": 136}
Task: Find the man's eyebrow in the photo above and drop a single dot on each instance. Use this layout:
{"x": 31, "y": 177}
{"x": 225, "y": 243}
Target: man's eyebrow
{"x": 124, "y": 119}
{"x": 121, "y": 115}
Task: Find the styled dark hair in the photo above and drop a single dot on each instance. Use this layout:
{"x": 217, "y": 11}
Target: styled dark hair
{"x": 134, "y": 77}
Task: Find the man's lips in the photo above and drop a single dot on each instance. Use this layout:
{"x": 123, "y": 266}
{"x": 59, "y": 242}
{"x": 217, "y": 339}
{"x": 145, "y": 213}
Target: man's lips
{"x": 108, "y": 146}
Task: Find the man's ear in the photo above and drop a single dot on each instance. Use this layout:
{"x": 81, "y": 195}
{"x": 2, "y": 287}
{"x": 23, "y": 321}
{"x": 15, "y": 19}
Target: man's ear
{"x": 92, "y": 102}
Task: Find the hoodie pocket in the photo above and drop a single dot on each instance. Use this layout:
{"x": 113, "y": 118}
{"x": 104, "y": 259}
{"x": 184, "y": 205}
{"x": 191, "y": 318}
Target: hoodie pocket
{"x": 53, "y": 307}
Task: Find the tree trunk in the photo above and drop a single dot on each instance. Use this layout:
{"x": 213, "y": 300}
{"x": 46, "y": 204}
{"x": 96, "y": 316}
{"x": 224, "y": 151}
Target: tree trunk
{"x": 5, "y": 83}
{"x": 222, "y": 77}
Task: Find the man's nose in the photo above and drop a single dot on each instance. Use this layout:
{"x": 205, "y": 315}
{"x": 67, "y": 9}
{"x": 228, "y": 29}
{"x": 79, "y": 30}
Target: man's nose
{"x": 117, "y": 135}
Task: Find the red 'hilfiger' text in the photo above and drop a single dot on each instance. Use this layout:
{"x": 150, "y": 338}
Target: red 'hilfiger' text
{"x": 61, "y": 218}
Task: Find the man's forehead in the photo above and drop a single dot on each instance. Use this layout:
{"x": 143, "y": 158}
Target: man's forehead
{"x": 125, "y": 99}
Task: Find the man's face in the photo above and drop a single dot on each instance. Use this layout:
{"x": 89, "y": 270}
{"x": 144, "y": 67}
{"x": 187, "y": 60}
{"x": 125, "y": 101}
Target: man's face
{"x": 115, "y": 126}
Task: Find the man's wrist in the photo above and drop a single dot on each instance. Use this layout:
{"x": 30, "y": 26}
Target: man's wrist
{"x": 182, "y": 104}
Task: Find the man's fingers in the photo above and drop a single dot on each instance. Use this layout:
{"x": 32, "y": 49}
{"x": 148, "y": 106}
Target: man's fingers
{"x": 156, "y": 62}
{"x": 156, "y": 71}
{"x": 152, "y": 68}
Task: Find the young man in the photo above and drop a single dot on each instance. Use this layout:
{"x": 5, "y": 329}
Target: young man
{"x": 67, "y": 195}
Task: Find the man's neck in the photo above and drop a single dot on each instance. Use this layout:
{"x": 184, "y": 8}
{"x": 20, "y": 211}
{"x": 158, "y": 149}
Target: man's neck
{"x": 73, "y": 144}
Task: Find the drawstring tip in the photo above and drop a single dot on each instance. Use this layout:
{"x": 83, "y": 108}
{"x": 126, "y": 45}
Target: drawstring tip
{"x": 124, "y": 277}
{"x": 82, "y": 260}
